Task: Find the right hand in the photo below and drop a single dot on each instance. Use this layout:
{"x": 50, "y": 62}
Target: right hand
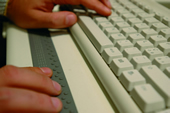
{"x": 28, "y": 89}
{"x": 38, "y": 13}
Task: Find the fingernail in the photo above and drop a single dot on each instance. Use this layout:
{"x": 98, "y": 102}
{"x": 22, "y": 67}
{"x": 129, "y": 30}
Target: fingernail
{"x": 106, "y": 9}
{"x": 57, "y": 86}
{"x": 56, "y": 103}
{"x": 46, "y": 70}
{"x": 109, "y": 4}
{"x": 70, "y": 19}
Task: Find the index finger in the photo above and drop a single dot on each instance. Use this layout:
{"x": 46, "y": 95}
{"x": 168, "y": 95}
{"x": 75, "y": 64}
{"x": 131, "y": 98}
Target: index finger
{"x": 25, "y": 78}
{"x": 102, "y": 7}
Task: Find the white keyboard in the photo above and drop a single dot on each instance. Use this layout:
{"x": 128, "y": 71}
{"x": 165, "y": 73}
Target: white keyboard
{"x": 130, "y": 53}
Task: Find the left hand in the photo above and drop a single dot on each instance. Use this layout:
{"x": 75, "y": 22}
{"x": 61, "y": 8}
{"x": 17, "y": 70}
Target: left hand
{"x": 27, "y": 90}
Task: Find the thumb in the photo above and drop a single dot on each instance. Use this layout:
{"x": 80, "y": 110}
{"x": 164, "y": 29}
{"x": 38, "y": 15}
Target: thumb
{"x": 60, "y": 19}
{"x": 39, "y": 19}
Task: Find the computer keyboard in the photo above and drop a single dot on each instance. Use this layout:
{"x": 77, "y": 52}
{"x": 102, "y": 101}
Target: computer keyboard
{"x": 130, "y": 52}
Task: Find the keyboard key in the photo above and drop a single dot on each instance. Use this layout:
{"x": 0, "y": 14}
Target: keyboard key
{"x": 168, "y": 54}
{"x": 152, "y": 53}
{"x": 111, "y": 30}
{"x": 91, "y": 12}
{"x": 141, "y": 5}
{"x": 158, "y": 26}
{"x": 140, "y": 61}
{"x": 119, "y": 65}
{"x": 122, "y": 11}
{"x": 164, "y": 111}
{"x": 148, "y": 32}
{"x": 137, "y": 11}
{"x": 105, "y": 25}
{"x": 143, "y": 44}
{"x": 131, "y": 52}
{"x": 116, "y": 20}
{"x": 166, "y": 21}
{"x": 162, "y": 62}
{"x": 148, "y": 10}
{"x": 99, "y": 39}
{"x": 134, "y": 21}
{"x": 147, "y": 98}
{"x": 165, "y": 33}
{"x": 99, "y": 20}
{"x": 122, "y": 44}
{"x": 150, "y": 21}
{"x": 122, "y": 25}
{"x": 164, "y": 47}
{"x": 131, "y": 7}
{"x": 127, "y": 16}
{"x": 135, "y": 37}
{"x": 159, "y": 16}
{"x": 125, "y": 3}
{"x": 143, "y": 16}
{"x": 127, "y": 31}
{"x": 117, "y": 37}
{"x": 114, "y": 14}
{"x": 79, "y": 11}
{"x": 111, "y": 53}
{"x": 167, "y": 71}
{"x": 141, "y": 26}
{"x": 158, "y": 80}
{"x": 131, "y": 78}
{"x": 115, "y": 7}
{"x": 157, "y": 39}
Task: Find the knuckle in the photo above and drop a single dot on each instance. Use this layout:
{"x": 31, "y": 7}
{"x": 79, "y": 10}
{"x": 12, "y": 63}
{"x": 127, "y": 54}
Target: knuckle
{"x": 5, "y": 98}
{"x": 10, "y": 71}
{"x": 42, "y": 99}
{"x": 46, "y": 85}
{"x": 35, "y": 69}
{"x": 4, "y": 93}
{"x": 45, "y": 82}
{"x": 38, "y": 70}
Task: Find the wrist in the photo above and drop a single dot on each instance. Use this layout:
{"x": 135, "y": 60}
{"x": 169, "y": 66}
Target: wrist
{"x": 3, "y": 7}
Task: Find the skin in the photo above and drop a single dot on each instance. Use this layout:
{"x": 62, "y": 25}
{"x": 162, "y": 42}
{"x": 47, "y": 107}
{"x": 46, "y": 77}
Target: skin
{"x": 30, "y": 89}
{"x": 38, "y": 13}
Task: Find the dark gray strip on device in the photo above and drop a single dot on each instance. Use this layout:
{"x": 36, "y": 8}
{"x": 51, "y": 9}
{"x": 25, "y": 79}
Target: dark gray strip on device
{"x": 44, "y": 55}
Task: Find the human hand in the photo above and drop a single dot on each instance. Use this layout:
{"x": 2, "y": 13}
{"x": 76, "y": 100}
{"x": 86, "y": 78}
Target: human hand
{"x": 27, "y": 90}
{"x": 38, "y": 13}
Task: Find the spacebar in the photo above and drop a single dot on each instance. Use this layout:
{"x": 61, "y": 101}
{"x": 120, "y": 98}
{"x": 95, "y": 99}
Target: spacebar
{"x": 119, "y": 96}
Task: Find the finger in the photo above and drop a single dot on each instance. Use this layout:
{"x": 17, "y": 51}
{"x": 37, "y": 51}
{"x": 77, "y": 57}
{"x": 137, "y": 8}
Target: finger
{"x": 25, "y": 78}
{"x": 43, "y": 70}
{"x": 98, "y": 6}
{"x": 102, "y": 7}
{"x": 21, "y": 100}
{"x": 40, "y": 19}
{"x": 106, "y": 3}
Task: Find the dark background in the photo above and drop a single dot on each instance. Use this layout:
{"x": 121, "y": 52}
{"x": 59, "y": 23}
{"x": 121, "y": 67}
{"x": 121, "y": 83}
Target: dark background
{"x": 2, "y": 44}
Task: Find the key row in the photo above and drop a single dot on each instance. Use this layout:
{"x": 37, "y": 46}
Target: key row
{"x": 136, "y": 7}
{"x": 121, "y": 65}
{"x": 133, "y": 80}
{"x": 117, "y": 24}
{"x": 114, "y": 35}
{"x": 134, "y": 56}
